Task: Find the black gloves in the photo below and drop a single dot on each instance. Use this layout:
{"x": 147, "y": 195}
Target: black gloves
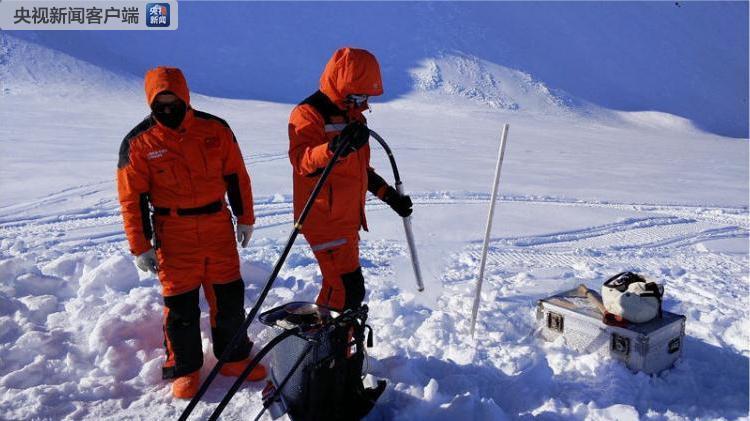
{"x": 398, "y": 202}
{"x": 358, "y": 135}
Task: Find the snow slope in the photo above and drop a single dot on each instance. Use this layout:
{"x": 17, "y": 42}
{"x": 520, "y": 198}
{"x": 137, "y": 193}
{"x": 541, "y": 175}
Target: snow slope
{"x": 586, "y": 192}
{"x": 683, "y": 58}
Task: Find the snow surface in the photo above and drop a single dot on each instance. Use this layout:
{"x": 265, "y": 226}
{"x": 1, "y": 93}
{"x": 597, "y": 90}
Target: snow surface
{"x": 586, "y": 192}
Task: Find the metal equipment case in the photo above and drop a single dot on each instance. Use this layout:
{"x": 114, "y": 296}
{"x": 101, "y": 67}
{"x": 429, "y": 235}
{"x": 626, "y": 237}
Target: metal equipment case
{"x": 648, "y": 347}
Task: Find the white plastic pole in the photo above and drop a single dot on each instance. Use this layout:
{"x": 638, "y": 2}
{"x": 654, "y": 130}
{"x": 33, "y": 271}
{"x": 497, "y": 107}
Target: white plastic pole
{"x": 501, "y": 153}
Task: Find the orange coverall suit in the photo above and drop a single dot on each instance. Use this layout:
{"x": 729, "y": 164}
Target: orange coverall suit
{"x": 338, "y": 212}
{"x": 184, "y": 174}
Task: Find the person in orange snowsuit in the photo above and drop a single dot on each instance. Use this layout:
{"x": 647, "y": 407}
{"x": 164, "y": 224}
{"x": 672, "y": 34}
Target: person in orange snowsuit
{"x": 175, "y": 169}
{"x": 317, "y": 126}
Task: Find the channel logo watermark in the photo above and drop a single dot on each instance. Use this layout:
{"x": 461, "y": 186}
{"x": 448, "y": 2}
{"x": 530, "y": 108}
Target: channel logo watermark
{"x": 76, "y": 15}
{"x": 157, "y": 15}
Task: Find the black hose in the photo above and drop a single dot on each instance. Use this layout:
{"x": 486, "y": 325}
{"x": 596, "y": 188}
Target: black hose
{"x": 242, "y": 330}
{"x": 391, "y": 158}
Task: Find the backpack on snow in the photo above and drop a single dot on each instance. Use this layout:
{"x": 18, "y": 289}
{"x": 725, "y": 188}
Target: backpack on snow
{"x": 327, "y": 384}
{"x": 334, "y": 384}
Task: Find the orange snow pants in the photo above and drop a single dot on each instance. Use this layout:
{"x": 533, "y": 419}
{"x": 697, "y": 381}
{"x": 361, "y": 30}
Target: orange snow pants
{"x": 343, "y": 284}
{"x": 194, "y": 251}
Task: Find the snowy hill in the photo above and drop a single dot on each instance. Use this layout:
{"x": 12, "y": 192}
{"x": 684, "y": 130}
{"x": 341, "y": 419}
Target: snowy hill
{"x": 683, "y": 58}
{"x": 462, "y": 76}
{"x": 459, "y": 77}
{"x": 586, "y": 192}
{"x": 34, "y": 71}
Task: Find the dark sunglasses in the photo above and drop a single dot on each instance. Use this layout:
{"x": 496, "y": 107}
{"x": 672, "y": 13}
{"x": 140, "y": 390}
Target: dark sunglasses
{"x": 357, "y": 99}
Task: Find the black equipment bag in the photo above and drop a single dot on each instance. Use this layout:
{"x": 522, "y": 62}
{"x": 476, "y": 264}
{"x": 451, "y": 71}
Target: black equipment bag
{"x": 334, "y": 384}
{"x": 327, "y": 385}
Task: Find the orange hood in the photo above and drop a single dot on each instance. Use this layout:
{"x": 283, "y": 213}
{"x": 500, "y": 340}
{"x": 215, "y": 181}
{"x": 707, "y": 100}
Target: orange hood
{"x": 351, "y": 71}
{"x": 163, "y": 79}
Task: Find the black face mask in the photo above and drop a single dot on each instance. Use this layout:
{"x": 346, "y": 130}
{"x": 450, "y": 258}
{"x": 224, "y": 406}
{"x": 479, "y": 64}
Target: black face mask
{"x": 170, "y": 115}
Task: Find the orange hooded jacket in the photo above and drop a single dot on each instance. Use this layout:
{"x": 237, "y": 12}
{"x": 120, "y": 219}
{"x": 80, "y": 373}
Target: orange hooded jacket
{"x": 339, "y": 208}
{"x": 188, "y": 167}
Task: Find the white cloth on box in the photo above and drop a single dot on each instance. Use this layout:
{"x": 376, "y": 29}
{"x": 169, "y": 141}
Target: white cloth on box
{"x": 631, "y": 304}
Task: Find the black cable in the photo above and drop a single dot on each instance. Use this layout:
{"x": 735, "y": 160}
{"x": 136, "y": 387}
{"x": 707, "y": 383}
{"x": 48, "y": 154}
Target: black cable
{"x": 391, "y": 158}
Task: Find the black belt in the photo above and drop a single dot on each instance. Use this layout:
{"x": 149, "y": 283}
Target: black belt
{"x": 212, "y": 207}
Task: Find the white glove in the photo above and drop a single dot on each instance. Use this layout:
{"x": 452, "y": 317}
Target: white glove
{"x": 146, "y": 261}
{"x": 244, "y": 233}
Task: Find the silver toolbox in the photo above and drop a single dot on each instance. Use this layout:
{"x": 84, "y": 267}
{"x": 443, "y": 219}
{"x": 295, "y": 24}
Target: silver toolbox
{"x": 648, "y": 347}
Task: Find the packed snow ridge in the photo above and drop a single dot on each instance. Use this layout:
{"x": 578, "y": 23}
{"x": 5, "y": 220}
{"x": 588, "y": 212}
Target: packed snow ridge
{"x": 465, "y": 76}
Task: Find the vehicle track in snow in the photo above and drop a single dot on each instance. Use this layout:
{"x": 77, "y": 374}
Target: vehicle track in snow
{"x": 90, "y": 214}
{"x": 104, "y": 190}
{"x": 260, "y": 158}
